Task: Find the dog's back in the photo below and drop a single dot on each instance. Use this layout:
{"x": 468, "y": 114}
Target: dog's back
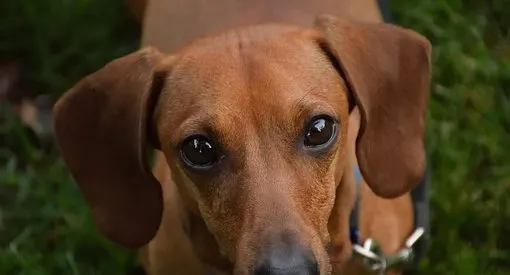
{"x": 169, "y": 24}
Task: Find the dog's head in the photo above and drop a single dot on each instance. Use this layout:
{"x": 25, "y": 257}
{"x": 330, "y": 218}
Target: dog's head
{"x": 253, "y": 123}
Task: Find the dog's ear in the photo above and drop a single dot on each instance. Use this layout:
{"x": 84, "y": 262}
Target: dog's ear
{"x": 101, "y": 127}
{"x": 387, "y": 69}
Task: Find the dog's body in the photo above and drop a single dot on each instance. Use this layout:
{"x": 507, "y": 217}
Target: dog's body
{"x": 251, "y": 90}
{"x": 168, "y": 25}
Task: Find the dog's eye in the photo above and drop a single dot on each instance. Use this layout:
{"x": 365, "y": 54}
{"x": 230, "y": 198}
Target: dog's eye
{"x": 320, "y": 131}
{"x": 199, "y": 151}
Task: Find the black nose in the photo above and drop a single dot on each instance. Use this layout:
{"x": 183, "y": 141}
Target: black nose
{"x": 286, "y": 257}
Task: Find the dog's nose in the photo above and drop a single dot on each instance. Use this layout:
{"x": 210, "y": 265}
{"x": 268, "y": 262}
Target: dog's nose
{"x": 286, "y": 259}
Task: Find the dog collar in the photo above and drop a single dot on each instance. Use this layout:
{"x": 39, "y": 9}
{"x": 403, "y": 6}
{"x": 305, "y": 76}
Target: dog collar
{"x": 420, "y": 200}
{"x": 353, "y": 219}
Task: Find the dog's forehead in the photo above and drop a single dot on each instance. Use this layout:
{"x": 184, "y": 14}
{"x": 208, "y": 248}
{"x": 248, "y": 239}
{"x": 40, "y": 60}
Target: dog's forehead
{"x": 259, "y": 58}
{"x": 269, "y": 73}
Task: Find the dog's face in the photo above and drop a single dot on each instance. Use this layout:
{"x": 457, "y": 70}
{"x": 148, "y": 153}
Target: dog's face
{"x": 256, "y": 136}
{"x": 253, "y": 123}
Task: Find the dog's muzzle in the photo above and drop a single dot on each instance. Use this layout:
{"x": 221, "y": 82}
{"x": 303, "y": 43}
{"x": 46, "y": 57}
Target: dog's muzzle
{"x": 286, "y": 257}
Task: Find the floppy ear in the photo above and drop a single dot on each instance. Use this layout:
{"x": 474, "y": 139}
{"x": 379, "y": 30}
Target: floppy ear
{"x": 101, "y": 127}
{"x": 387, "y": 69}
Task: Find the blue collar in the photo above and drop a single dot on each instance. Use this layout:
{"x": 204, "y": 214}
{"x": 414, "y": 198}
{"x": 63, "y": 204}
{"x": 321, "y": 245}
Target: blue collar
{"x": 353, "y": 219}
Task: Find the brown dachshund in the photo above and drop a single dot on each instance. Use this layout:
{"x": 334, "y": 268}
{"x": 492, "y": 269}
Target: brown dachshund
{"x": 256, "y": 131}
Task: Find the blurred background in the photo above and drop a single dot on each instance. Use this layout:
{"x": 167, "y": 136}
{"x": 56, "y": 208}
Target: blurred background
{"x": 46, "y": 46}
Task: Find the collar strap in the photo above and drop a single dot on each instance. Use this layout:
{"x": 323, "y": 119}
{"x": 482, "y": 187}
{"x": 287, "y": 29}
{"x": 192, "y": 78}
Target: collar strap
{"x": 353, "y": 219}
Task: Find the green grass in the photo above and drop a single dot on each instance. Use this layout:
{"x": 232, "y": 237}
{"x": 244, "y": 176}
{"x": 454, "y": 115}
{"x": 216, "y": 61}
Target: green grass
{"x": 45, "y": 227}
{"x": 468, "y": 133}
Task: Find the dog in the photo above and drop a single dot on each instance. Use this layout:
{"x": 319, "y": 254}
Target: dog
{"x": 256, "y": 131}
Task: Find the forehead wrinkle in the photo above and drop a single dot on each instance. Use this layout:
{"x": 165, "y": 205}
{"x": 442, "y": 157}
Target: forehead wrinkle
{"x": 313, "y": 107}
{"x": 315, "y": 102}
{"x": 219, "y": 119}
{"x": 196, "y": 124}
{"x": 287, "y": 99}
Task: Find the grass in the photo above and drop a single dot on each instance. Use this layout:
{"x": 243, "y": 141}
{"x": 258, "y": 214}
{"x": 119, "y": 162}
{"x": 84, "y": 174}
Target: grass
{"x": 45, "y": 227}
{"x": 468, "y": 133}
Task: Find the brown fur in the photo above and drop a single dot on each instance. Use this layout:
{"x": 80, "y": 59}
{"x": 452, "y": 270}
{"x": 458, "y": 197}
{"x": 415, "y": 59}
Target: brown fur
{"x": 252, "y": 89}
{"x": 168, "y": 24}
